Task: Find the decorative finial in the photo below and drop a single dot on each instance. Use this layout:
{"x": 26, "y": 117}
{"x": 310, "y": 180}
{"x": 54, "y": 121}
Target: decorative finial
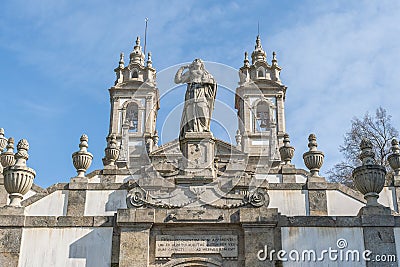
{"x": 155, "y": 139}
{"x": 112, "y": 151}
{"x": 121, "y": 61}
{"x": 369, "y": 178}
{"x": 274, "y": 60}
{"x": 82, "y": 159}
{"x": 246, "y": 60}
{"x": 394, "y": 161}
{"x": 22, "y": 152}
{"x": 149, "y": 61}
{"x": 18, "y": 179}
{"x": 238, "y": 138}
{"x": 258, "y": 53}
{"x": 258, "y": 43}
{"x": 313, "y": 159}
{"x": 137, "y": 55}
{"x": 7, "y": 157}
{"x": 367, "y": 155}
{"x": 286, "y": 151}
{"x": 395, "y": 146}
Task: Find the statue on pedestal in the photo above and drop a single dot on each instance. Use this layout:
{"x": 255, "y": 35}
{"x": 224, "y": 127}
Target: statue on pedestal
{"x": 199, "y": 98}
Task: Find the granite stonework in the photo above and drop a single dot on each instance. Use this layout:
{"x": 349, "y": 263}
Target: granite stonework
{"x": 197, "y": 200}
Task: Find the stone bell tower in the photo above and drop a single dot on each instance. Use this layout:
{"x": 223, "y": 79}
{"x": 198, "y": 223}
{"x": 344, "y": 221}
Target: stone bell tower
{"x": 260, "y": 103}
{"x": 134, "y": 105}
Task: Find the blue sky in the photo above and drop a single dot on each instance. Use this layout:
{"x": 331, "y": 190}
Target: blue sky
{"x": 339, "y": 59}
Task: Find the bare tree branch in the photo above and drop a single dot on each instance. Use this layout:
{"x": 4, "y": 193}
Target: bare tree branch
{"x": 379, "y": 130}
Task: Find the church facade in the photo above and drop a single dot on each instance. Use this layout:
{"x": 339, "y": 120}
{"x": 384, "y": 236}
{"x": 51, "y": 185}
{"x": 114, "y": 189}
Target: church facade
{"x": 198, "y": 200}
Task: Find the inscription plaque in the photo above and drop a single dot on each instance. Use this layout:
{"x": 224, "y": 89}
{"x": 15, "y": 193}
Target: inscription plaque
{"x": 225, "y": 245}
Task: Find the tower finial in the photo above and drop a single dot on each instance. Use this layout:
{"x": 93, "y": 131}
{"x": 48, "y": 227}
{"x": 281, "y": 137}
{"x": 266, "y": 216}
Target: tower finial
{"x": 137, "y": 55}
{"x": 246, "y": 59}
{"x": 121, "y": 60}
{"x": 274, "y": 60}
{"x": 258, "y": 28}
{"x": 258, "y": 53}
{"x": 149, "y": 61}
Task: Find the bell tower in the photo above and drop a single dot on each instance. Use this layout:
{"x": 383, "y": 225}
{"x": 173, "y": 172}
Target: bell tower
{"x": 134, "y": 105}
{"x": 259, "y": 101}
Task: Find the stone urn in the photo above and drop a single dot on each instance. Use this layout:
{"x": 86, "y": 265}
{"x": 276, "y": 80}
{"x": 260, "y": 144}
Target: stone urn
{"x": 394, "y": 158}
{"x": 111, "y": 151}
{"x": 286, "y": 151}
{"x": 369, "y": 178}
{"x": 313, "y": 159}
{"x": 18, "y": 179}
{"x": 7, "y": 157}
{"x": 82, "y": 159}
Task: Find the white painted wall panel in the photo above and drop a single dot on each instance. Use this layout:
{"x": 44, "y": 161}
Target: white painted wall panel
{"x": 301, "y": 179}
{"x": 54, "y": 204}
{"x": 386, "y": 197}
{"x": 288, "y": 202}
{"x": 340, "y": 204}
{"x": 319, "y": 239}
{"x": 66, "y": 247}
{"x": 104, "y": 202}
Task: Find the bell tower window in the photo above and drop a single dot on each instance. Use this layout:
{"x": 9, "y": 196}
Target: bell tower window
{"x": 131, "y": 118}
{"x": 135, "y": 74}
{"x": 260, "y": 73}
{"x": 262, "y": 117}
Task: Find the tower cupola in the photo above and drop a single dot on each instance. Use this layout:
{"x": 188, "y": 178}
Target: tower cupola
{"x": 137, "y": 55}
{"x": 258, "y": 53}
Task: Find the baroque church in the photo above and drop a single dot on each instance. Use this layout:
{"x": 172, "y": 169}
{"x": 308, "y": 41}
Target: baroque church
{"x": 198, "y": 200}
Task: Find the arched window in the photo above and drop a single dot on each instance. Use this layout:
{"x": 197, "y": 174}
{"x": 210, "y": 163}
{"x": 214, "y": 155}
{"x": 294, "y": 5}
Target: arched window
{"x": 135, "y": 74}
{"x": 131, "y": 117}
{"x": 262, "y": 117}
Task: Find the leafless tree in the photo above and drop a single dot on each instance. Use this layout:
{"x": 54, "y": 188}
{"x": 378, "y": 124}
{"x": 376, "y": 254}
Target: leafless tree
{"x": 379, "y": 130}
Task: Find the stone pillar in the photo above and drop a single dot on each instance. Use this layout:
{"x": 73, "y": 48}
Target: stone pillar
{"x": 76, "y": 202}
{"x": 379, "y": 237}
{"x": 135, "y": 226}
{"x": 12, "y": 220}
{"x": 317, "y": 198}
{"x": 260, "y": 236}
{"x": 288, "y": 174}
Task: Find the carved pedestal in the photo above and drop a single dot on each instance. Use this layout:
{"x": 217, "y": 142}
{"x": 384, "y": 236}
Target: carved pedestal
{"x": 198, "y": 149}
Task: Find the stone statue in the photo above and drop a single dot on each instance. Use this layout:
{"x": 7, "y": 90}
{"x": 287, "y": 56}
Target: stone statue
{"x": 199, "y": 98}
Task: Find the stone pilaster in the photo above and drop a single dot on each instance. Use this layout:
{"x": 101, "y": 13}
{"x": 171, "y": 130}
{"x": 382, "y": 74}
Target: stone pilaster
{"x": 288, "y": 173}
{"x": 77, "y": 196}
{"x": 317, "y": 200}
{"x": 11, "y": 221}
{"x": 135, "y": 226}
{"x": 260, "y": 236}
{"x": 379, "y": 237}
